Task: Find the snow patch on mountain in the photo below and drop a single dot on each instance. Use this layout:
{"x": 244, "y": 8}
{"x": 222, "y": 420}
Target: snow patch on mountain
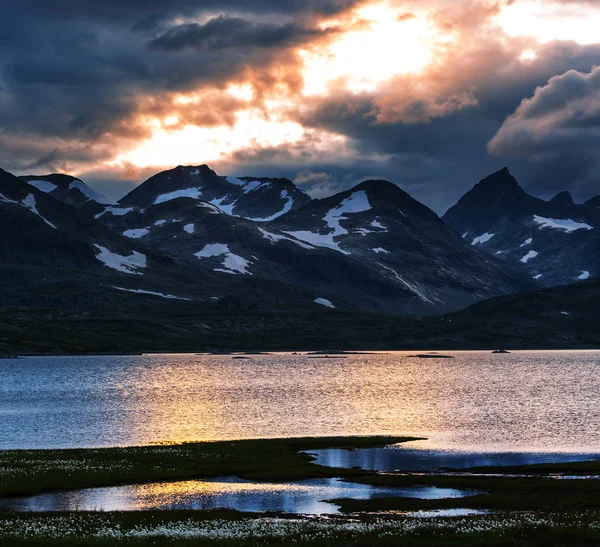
{"x": 324, "y": 302}
{"x": 160, "y": 222}
{"x": 584, "y": 275}
{"x": 318, "y": 240}
{"x": 43, "y": 185}
{"x": 92, "y": 195}
{"x": 414, "y": 288}
{"x": 358, "y": 202}
{"x": 235, "y": 181}
{"x": 286, "y": 208}
{"x": 233, "y": 264}
{"x": 115, "y": 211}
{"x": 378, "y": 225}
{"x": 189, "y": 228}
{"x": 136, "y": 233}
{"x": 29, "y": 203}
{"x": 126, "y": 264}
{"x": 528, "y": 241}
{"x": 213, "y": 209}
{"x": 537, "y": 276}
{"x": 567, "y": 224}
{"x": 274, "y": 238}
{"x": 151, "y": 293}
{"x": 379, "y": 250}
{"x": 528, "y": 257}
{"x": 226, "y": 208}
{"x": 483, "y": 238}
{"x": 193, "y": 193}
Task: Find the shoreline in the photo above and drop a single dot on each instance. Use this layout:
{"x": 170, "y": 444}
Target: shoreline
{"x": 306, "y": 352}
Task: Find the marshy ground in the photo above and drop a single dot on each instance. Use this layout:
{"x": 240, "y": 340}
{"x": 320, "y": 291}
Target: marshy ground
{"x": 529, "y": 506}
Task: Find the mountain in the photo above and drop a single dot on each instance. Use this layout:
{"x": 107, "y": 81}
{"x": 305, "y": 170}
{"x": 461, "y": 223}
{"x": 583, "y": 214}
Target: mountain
{"x": 396, "y": 237}
{"x": 258, "y": 199}
{"x": 69, "y": 190}
{"x": 594, "y": 202}
{"x": 48, "y": 248}
{"x": 556, "y": 241}
{"x": 335, "y": 247}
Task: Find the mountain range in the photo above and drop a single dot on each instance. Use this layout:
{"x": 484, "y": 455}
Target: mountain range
{"x": 188, "y": 243}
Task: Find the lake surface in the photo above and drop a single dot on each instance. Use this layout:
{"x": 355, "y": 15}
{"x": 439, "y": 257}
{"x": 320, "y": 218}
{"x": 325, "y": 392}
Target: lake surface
{"x": 301, "y": 497}
{"x": 411, "y": 457}
{"x": 542, "y": 402}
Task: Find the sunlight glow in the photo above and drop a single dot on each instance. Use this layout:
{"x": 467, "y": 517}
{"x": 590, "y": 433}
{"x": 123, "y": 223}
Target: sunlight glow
{"x": 375, "y": 43}
{"x": 383, "y": 42}
{"x": 528, "y": 55}
{"x": 548, "y": 21}
{"x": 193, "y": 144}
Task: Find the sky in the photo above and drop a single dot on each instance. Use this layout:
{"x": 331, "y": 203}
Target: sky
{"x": 432, "y": 95}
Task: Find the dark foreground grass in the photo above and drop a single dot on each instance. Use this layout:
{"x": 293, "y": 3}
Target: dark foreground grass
{"x": 184, "y": 529}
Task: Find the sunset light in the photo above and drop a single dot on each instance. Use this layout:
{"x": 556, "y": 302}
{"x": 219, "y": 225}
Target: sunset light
{"x": 548, "y": 21}
{"x": 381, "y": 42}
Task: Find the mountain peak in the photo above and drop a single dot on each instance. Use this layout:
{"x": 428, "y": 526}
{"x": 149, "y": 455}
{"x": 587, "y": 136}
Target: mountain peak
{"x": 563, "y": 198}
{"x": 499, "y": 179}
{"x": 387, "y": 196}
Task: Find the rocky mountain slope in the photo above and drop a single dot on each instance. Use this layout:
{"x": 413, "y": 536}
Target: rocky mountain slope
{"x": 259, "y": 200}
{"x": 69, "y": 190}
{"x": 396, "y": 237}
{"x": 372, "y": 247}
{"x": 556, "y": 241}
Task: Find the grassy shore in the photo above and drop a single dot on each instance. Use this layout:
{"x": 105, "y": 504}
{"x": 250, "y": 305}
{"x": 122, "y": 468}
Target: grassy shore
{"x": 527, "y": 509}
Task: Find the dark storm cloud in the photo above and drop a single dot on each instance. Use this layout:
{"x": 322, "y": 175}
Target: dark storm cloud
{"x": 232, "y": 32}
{"x": 557, "y": 130}
{"x": 78, "y": 78}
{"x": 83, "y": 72}
{"x": 132, "y": 9}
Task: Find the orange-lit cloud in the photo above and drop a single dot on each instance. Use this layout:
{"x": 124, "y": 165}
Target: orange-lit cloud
{"x": 407, "y": 89}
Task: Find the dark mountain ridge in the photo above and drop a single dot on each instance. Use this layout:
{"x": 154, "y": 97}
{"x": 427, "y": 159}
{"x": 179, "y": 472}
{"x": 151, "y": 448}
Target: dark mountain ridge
{"x": 556, "y": 241}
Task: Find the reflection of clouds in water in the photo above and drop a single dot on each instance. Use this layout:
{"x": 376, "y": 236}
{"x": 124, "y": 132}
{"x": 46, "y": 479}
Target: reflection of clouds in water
{"x": 304, "y": 497}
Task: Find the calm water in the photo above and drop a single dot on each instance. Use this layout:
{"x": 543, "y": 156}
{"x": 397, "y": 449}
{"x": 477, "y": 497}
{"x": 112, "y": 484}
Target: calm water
{"x": 304, "y": 497}
{"x": 411, "y": 457}
{"x": 524, "y": 401}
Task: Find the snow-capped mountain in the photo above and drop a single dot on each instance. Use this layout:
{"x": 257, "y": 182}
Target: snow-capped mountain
{"x": 556, "y": 241}
{"x": 191, "y": 234}
{"x": 401, "y": 240}
{"x": 47, "y": 246}
{"x": 372, "y": 247}
{"x": 69, "y": 190}
{"x": 257, "y": 199}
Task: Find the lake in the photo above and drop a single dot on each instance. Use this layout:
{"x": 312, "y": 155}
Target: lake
{"x": 526, "y": 401}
